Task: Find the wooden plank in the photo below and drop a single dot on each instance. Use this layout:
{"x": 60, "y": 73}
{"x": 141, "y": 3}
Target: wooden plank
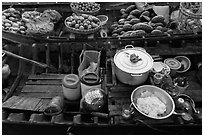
{"x": 43, "y": 95}
{"x": 26, "y": 103}
{"x": 47, "y": 76}
{"x": 44, "y": 105}
{"x": 41, "y": 88}
{"x": 10, "y": 102}
{"x": 44, "y": 82}
{"x": 120, "y": 95}
{"x": 17, "y": 103}
{"x": 29, "y": 104}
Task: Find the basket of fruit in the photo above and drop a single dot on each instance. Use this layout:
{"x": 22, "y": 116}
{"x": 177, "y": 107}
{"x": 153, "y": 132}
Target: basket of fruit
{"x": 82, "y": 24}
{"x": 91, "y": 8}
{"x": 12, "y": 22}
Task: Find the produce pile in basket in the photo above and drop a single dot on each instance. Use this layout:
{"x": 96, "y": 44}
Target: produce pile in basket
{"x": 85, "y": 7}
{"x": 41, "y": 23}
{"x": 82, "y": 24}
{"x": 12, "y": 22}
{"x": 30, "y": 22}
{"x": 136, "y": 22}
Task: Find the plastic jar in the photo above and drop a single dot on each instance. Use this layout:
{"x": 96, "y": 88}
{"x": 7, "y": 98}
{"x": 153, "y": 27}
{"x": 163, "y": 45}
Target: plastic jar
{"x": 71, "y": 87}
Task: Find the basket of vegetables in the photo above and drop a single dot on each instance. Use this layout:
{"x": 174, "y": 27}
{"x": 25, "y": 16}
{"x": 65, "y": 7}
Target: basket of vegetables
{"x": 91, "y": 8}
{"x": 82, "y": 24}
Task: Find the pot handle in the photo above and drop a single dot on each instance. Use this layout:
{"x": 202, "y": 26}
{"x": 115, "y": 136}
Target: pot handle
{"x": 129, "y": 46}
{"x": 179, "y": 114}
{"x": 134, "y": 75}
{"x": 138, "y": 48}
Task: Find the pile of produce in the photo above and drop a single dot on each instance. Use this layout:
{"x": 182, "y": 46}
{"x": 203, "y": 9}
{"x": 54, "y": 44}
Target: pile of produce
{"x": 40, "y": 23}
{"x": 85, "y": 7}
{"x": 30, "y": 22}
{"x": 30, "y": 15}
{"x": 137, "y": 23}
{"x": 12, "y": 22}
{"x": 83, "y": 23}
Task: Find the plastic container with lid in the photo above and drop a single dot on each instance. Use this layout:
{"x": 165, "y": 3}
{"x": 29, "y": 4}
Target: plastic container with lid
{"x": 174, "y": 65}
{"x": 71, "y": 87}
{"x": 89, "y": 81}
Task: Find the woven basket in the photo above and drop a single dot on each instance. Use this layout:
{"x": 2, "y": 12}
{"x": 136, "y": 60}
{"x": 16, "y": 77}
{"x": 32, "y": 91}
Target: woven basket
{"x": 84, "y": 12}
{"x": 190, "y": 16}
{"x": 188, "y": 12}
{"x": 77, "y": 31}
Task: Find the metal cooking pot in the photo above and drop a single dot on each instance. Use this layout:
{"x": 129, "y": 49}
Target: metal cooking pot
{"x": 132, "y": 65}
{"x": 158, "y": 92}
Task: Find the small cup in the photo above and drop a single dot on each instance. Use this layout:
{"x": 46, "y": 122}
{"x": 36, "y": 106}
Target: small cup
{"x": 181, "y": 89}
{"x": 158, "y": 78}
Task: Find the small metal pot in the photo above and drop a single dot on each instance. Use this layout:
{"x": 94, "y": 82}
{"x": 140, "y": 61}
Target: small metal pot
{"x": 132, "y": 65}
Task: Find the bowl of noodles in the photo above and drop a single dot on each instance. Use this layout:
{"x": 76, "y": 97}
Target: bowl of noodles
{"x": 152, "y": 102}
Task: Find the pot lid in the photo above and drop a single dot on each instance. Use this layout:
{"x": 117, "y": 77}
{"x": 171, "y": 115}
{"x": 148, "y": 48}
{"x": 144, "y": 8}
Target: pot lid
{"x": 132, "y": 60}
{"x": 172, "y": 63}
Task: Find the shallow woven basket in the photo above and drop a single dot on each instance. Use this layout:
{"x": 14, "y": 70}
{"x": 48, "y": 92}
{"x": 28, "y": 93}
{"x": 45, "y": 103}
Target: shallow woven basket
{"x": 73, "y": 30}
{"x": 84, "y": 12}
{"x": 186, "y": 12}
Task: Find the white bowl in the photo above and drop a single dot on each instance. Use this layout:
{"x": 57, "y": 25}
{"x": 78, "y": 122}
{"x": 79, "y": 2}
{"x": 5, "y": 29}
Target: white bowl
{"x": 160, "y": 67}
{"x": 103, "y": 19}
{"x": 185, "y": 62}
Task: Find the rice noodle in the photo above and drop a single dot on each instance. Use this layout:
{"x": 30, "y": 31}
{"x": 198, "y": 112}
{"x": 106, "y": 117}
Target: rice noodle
{"x": 151, "y": 106}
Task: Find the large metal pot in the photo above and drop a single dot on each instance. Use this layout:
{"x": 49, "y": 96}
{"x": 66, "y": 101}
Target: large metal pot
{"x": 132, "y": 65}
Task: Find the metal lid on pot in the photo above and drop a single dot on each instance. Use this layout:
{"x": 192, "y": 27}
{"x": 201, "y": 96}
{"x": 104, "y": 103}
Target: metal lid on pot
{"x": 133, "y": 60}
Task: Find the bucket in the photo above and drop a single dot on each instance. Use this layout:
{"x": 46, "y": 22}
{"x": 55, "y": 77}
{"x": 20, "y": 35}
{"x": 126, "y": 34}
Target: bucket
{"x": 71, "y": 87}
{"x": 86, "y": 58}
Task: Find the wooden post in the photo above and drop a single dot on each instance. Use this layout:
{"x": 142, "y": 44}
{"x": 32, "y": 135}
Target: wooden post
{"x": 35, "y": 57}
{"x": 47, "y": 55}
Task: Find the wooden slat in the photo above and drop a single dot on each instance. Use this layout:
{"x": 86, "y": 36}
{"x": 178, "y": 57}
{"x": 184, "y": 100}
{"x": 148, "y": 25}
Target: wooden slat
{"x": 47, "y": 76}
{"x": 10, "y": 101}
{"x": 41, "y": 88}
{"x": 42, "y": 105}
{"x": 44, "y": 82}
{"x": 26, "y": 103}
{"x": 43, "y": 95}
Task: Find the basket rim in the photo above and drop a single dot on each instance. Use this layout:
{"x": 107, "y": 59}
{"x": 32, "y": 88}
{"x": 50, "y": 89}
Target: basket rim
{"x": 73, "y": 30}
{"x": 83, "y": 12}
